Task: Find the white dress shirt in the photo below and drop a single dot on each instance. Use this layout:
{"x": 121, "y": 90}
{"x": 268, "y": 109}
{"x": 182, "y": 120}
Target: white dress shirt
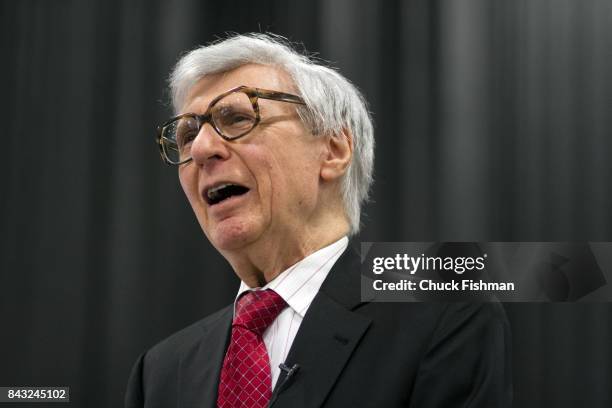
{"x": 298, "y": 286}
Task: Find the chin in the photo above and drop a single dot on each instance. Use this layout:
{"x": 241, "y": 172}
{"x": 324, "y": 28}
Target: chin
{"x": 232, "y": 234}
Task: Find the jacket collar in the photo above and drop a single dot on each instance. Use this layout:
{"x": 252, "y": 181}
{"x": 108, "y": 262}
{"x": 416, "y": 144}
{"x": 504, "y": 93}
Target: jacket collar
{"x": 332, "y": 327}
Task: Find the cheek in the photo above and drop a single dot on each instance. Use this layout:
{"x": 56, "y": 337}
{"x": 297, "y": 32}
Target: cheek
{"x": 188, "y": 180}
{"x": 271, "y": 175}
{"x": 269, "y": 180}
{"x": 296, "y": 186}
{"x": 285, "y": 183}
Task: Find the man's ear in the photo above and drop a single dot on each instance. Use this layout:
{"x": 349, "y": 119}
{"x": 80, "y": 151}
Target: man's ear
{"x": 338, "y": 155}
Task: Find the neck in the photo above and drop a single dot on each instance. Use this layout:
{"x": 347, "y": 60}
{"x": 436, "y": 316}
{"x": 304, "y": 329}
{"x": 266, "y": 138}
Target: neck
{"x": 265, "y": 259}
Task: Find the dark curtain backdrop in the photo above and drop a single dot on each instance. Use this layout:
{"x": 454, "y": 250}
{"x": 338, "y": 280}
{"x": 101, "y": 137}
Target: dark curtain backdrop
{"x": 493, "y": 122}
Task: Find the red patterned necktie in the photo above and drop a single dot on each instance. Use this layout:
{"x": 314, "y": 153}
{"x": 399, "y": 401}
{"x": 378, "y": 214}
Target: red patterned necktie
{"x": 246, "y": 380}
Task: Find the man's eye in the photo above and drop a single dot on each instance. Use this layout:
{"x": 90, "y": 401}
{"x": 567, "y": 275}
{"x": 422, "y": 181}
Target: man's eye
{"x": 185, "y": 138}
{"x": 234, "y": 116}
{"x": 238, "y": 118}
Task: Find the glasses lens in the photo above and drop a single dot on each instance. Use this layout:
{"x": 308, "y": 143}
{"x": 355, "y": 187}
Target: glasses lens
{"x": 177, "y": 137}
{"x": 234, "y": 115}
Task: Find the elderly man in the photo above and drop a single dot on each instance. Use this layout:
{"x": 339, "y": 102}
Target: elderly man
{"x": 275, "y": 155}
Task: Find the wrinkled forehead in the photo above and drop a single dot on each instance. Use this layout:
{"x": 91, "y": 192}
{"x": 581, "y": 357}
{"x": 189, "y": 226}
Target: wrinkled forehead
{"x": 210, "y": 86}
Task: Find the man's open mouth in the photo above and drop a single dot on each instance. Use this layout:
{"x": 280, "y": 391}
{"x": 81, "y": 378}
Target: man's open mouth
{"x": 215, "y": 195}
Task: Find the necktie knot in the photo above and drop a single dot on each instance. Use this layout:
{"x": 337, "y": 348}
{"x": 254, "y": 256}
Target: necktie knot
{"x": 256, "y": 310}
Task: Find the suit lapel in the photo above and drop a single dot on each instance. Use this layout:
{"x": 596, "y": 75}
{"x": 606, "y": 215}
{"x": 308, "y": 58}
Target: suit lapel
{"x": 200, "y": 365}
{"x": 327, "y": 337}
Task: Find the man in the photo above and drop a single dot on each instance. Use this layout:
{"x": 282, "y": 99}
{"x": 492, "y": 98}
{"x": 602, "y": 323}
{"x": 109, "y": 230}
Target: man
{"x": 275, "y": 155}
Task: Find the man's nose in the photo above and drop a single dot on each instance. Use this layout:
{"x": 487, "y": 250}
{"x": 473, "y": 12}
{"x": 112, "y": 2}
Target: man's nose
{"x": 208, "y": 146}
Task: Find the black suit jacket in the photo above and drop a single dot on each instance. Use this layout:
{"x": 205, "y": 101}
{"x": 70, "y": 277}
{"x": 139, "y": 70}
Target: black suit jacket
{"x": 351, "y": 354}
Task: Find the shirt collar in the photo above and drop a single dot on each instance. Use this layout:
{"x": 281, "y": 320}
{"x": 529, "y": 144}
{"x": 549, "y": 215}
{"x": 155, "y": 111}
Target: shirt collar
{"x": 299, "y": 284}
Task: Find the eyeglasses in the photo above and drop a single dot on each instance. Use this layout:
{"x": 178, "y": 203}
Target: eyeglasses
{"x": 233, "y": 114}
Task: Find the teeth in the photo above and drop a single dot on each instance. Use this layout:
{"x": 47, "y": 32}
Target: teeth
{"x": 221, "y": 192}
{"x": 211, "y": 192}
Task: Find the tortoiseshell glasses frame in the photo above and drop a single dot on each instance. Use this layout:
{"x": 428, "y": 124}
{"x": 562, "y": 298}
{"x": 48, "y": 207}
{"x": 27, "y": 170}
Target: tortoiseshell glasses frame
{"x": 169, "y": 146}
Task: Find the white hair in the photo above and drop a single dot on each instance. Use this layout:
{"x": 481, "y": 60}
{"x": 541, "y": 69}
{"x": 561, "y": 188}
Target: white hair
{"x": 333, "y": 103}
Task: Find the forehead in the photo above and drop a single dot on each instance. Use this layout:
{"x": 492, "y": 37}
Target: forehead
{"x": 253, "y": 75}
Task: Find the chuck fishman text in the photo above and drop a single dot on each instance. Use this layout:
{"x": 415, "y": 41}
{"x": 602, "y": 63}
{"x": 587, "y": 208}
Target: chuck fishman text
{"x": 455, "y": 285}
